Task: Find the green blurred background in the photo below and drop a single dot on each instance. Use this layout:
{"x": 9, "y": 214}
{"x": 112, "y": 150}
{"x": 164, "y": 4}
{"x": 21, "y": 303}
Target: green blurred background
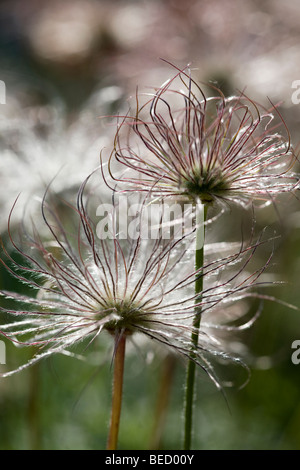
{"x": 67, "y": 52}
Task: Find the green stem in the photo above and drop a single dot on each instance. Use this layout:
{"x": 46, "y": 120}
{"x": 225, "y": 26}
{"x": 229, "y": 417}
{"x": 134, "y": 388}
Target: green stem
{"x": 190, "y": 378}
{"x": 112, "y": 441}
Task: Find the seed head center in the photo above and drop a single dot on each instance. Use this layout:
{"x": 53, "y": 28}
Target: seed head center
{"x": 205, "y": 184}
{"x": 123, "y": 315}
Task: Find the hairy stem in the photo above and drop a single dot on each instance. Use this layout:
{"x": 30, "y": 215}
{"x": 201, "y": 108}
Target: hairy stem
{"x": 190, "y": 377}
{"x": 112, "y": 441}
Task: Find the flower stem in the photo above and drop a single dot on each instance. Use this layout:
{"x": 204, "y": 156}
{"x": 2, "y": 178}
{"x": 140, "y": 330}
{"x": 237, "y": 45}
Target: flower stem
{"x": 164, "y": 392}
{"x": 190, "y": 377}
{"x": 33, "y": 407}
{"x": 112, "y": 441}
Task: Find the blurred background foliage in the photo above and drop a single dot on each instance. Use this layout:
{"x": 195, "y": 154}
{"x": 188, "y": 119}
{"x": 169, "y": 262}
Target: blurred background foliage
{"x": 86, "y": 57}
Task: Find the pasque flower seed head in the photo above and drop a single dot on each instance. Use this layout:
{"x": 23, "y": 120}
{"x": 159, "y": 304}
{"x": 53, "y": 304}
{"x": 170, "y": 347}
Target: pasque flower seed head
{"x": 184, "y": 144}
{"x": 83, "y": 286}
